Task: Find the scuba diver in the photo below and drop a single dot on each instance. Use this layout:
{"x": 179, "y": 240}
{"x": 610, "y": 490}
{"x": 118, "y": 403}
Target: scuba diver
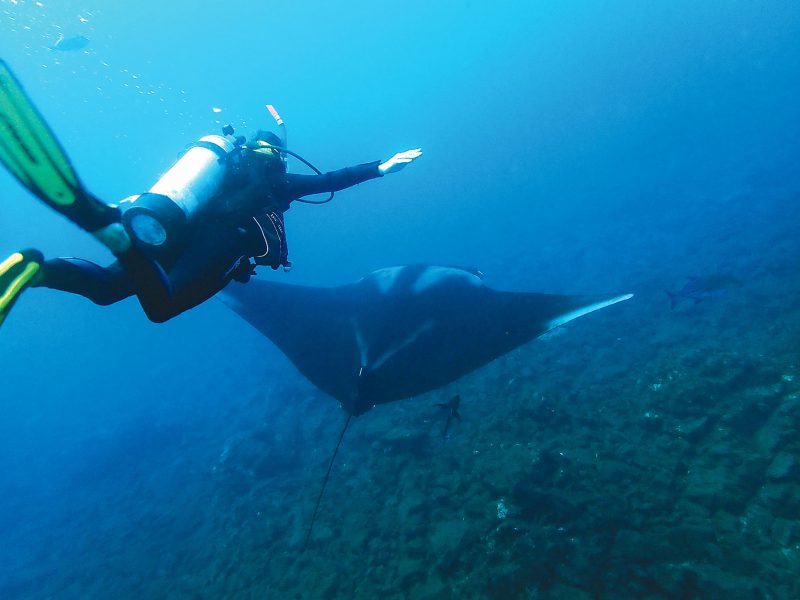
{"x": 211, "y": 218}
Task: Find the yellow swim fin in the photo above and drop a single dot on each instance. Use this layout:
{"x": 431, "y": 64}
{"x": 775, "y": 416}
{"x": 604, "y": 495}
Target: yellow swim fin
{"x": 16, "y": 274}
{"x": 30, "y": 150}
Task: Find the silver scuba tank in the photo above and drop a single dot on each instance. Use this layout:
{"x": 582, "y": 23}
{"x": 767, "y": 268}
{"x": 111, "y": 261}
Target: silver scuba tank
{"x": 158, "y": 217}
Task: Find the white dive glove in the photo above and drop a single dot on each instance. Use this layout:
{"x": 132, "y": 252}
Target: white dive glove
{"x": 399, "y": 160}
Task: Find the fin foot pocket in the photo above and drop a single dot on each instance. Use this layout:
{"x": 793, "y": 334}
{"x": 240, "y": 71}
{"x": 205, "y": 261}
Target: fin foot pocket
{"x": 16, "y": 273}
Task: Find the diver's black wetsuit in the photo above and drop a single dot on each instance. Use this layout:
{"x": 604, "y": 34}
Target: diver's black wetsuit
{"x": 217, "y": 250}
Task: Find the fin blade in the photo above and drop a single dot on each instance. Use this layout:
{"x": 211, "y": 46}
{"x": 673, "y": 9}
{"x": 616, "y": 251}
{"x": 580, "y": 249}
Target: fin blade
{"x": 33, "y": 154}
{"x": 16, "y": 273}
{"x": 29, "y": 147}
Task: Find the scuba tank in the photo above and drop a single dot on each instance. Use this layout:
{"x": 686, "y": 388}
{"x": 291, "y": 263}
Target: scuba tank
{"x": 157, "y": 218}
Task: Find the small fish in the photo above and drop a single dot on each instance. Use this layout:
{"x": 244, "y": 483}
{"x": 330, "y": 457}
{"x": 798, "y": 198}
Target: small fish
{"x": 452, "y": 411}
{"x": 700, "y": 288}
{"x": 70, "y": 44}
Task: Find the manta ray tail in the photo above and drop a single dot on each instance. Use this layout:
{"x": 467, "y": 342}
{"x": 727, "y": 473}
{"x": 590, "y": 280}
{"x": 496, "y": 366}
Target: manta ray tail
{"x": 325, "y": 481}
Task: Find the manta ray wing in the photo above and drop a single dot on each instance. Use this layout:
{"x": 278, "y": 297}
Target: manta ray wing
{"x": 311, "y": 326}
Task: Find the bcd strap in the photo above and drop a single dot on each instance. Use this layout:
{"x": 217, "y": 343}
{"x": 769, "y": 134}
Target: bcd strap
{"x": 276, "y": 250}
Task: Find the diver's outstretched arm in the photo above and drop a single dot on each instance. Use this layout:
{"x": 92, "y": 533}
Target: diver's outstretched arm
{"x": 298, "y": 186}
{"x": 101, "y": 285}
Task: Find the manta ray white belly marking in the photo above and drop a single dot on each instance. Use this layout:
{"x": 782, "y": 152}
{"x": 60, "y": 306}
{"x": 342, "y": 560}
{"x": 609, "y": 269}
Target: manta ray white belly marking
{"x": 436, "y": 275}
{"x": 364, "y": 349}
{"x": 385, "y": 278}
{"x": 406, "y": 341}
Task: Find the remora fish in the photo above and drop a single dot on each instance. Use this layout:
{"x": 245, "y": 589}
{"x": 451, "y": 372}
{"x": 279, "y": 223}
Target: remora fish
{"x": 700, "y": 288}
{"x": 452, "y": 411}
{"x": 70, "y": 44}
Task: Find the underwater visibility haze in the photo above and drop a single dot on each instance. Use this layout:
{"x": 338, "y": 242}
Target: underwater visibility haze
{"x": 648, "y": 450}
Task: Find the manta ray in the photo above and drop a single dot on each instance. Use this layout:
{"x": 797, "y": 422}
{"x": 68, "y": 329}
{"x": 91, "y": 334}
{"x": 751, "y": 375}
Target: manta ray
{"x": 400, "y": 331}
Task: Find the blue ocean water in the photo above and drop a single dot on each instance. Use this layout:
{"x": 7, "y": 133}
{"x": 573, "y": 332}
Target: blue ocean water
{"x": 569, "y": 148}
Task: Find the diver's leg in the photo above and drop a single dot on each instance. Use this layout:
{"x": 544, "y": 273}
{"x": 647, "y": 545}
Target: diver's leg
{"x": 195, "y": 282}
{"x": 131, "y": 274}
{"x": 101, "y": 285}
{"x": 195, "y": 278}
{"x": 204, "y": 267}
{"x": 151, "y": 285}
